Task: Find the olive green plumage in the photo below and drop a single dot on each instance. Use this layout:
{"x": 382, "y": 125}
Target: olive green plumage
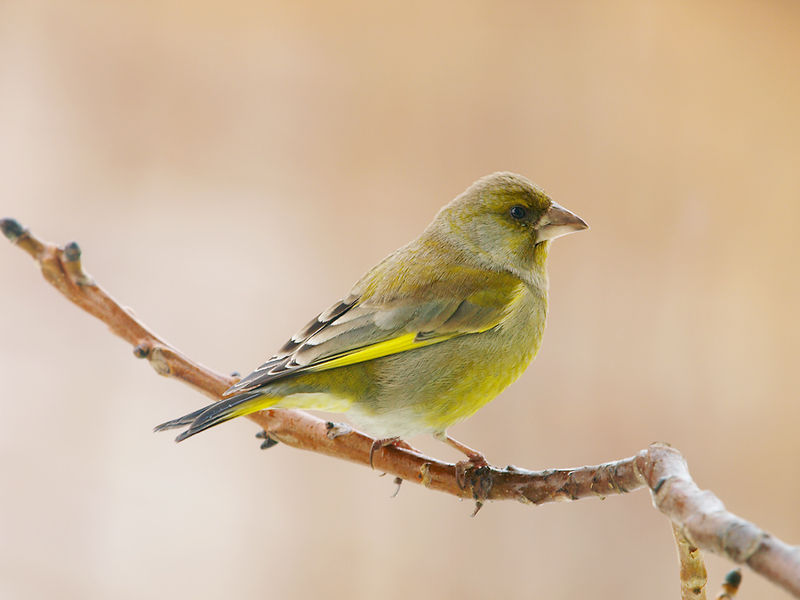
{"x": 431, "y": 333}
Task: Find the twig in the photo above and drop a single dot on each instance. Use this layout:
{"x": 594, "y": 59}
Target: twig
{"x": 693, "y": 569}
{"x": 698, "y": 516}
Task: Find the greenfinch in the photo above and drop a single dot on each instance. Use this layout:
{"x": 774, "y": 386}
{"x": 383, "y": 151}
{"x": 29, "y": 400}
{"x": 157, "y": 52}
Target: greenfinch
{"x": 430, "y": 334}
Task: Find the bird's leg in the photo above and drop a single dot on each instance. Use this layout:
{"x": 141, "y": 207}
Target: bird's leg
{"x": 382, "y": 443}
{"x": 474, "y": 458}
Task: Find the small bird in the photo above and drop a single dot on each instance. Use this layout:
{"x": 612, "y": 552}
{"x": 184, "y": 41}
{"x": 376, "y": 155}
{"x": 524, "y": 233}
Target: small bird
{"x": 430, "y": 334}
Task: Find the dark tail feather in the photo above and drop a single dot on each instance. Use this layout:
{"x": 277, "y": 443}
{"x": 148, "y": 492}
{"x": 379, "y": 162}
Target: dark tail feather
{"x": 219, "y": 412}
{"x": 181, "y": 421}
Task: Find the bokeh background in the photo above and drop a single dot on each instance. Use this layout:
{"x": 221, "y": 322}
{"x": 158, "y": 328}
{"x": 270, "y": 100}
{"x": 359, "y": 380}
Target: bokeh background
{"x": 230, "y": 168}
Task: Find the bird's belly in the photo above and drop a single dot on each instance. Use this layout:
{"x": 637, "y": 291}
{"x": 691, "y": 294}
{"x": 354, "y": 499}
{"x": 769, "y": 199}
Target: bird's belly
{"x": 429, "y": 389}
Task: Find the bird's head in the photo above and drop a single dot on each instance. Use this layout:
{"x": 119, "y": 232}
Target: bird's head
{"x": 507, "y": 221}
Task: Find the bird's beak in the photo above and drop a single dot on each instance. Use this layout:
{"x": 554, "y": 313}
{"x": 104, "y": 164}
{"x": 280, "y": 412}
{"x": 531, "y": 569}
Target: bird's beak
{"x": 558, "y": 221}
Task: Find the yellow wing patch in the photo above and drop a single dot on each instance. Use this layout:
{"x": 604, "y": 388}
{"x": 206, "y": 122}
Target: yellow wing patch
{"x": 401, "y": 343}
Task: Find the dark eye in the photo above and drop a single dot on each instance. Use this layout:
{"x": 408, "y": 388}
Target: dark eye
{"x": 518, "y": 212}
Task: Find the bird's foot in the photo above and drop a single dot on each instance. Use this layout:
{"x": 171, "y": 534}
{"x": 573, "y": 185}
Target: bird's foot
{"x": 475, "y": 461}
{"x": 268, "y": 441}
{"x": 476, "y": 474}
{"x": 334, "y": 430}
{"x": 382, "y": 443}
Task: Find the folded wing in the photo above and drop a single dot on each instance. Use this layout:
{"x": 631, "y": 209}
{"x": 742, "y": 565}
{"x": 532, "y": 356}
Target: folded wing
{"x": 364, "y": 327}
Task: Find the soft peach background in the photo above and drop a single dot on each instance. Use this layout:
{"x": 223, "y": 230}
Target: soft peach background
{"x": 230, "y": 168}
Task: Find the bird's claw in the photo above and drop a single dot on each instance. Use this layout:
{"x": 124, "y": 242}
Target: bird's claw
{"x": 382, "y": 443}
{"x": 473, "y": 463}
{"x": 398, "y": 481}
{"x": 268, "y": 441}
{"x": 476, "y": 474}
{"x": 377, "y": 445}
{"x": 480, "y": 481}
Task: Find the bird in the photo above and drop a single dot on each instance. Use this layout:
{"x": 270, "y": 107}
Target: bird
{"x": 427, "y": 336}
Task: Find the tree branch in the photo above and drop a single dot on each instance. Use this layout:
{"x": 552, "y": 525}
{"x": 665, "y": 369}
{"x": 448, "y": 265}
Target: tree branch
{"x": 699, "y": 518}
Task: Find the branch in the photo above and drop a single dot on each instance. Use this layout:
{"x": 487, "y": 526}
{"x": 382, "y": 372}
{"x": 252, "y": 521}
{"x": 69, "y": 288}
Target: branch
{"x": 699, "y": 518}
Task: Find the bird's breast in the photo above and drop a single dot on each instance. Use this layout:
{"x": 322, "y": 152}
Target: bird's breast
{"x": 431, "y": 388}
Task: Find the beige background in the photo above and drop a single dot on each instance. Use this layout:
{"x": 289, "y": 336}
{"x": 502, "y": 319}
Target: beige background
{"x": 231, "y": 168}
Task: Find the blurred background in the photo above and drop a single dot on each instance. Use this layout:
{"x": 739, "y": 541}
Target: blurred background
{"x": 231, "y": 168}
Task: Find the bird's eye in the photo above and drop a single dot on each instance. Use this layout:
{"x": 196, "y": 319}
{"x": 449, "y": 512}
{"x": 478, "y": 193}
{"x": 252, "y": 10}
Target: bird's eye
{"x": 518, "y": 212}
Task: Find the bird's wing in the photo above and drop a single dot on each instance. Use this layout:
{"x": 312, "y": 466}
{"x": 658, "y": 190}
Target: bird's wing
{"x": 369, "y": 326}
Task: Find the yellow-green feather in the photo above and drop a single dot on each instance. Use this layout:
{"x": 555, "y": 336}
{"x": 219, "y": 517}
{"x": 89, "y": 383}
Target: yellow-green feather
{"x": 402, "y": 343}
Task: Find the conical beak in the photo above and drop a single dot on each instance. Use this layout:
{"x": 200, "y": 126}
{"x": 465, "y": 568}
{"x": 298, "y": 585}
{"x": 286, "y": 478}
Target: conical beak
{"x": 558, "y": 221}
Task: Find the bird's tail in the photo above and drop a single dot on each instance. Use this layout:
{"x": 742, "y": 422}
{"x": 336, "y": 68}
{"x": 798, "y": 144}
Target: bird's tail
{"x": 219, "y": 412}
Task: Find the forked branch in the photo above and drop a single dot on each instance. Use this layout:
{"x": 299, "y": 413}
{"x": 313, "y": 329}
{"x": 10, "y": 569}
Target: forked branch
{"x": 699, "y": 518}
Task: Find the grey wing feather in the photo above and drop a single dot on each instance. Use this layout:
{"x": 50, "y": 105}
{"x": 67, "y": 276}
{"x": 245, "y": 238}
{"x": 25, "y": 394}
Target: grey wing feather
{"x": 282, "y": 363}
{"x": 346, "y": 326}
{"x": 374, "y": 324}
